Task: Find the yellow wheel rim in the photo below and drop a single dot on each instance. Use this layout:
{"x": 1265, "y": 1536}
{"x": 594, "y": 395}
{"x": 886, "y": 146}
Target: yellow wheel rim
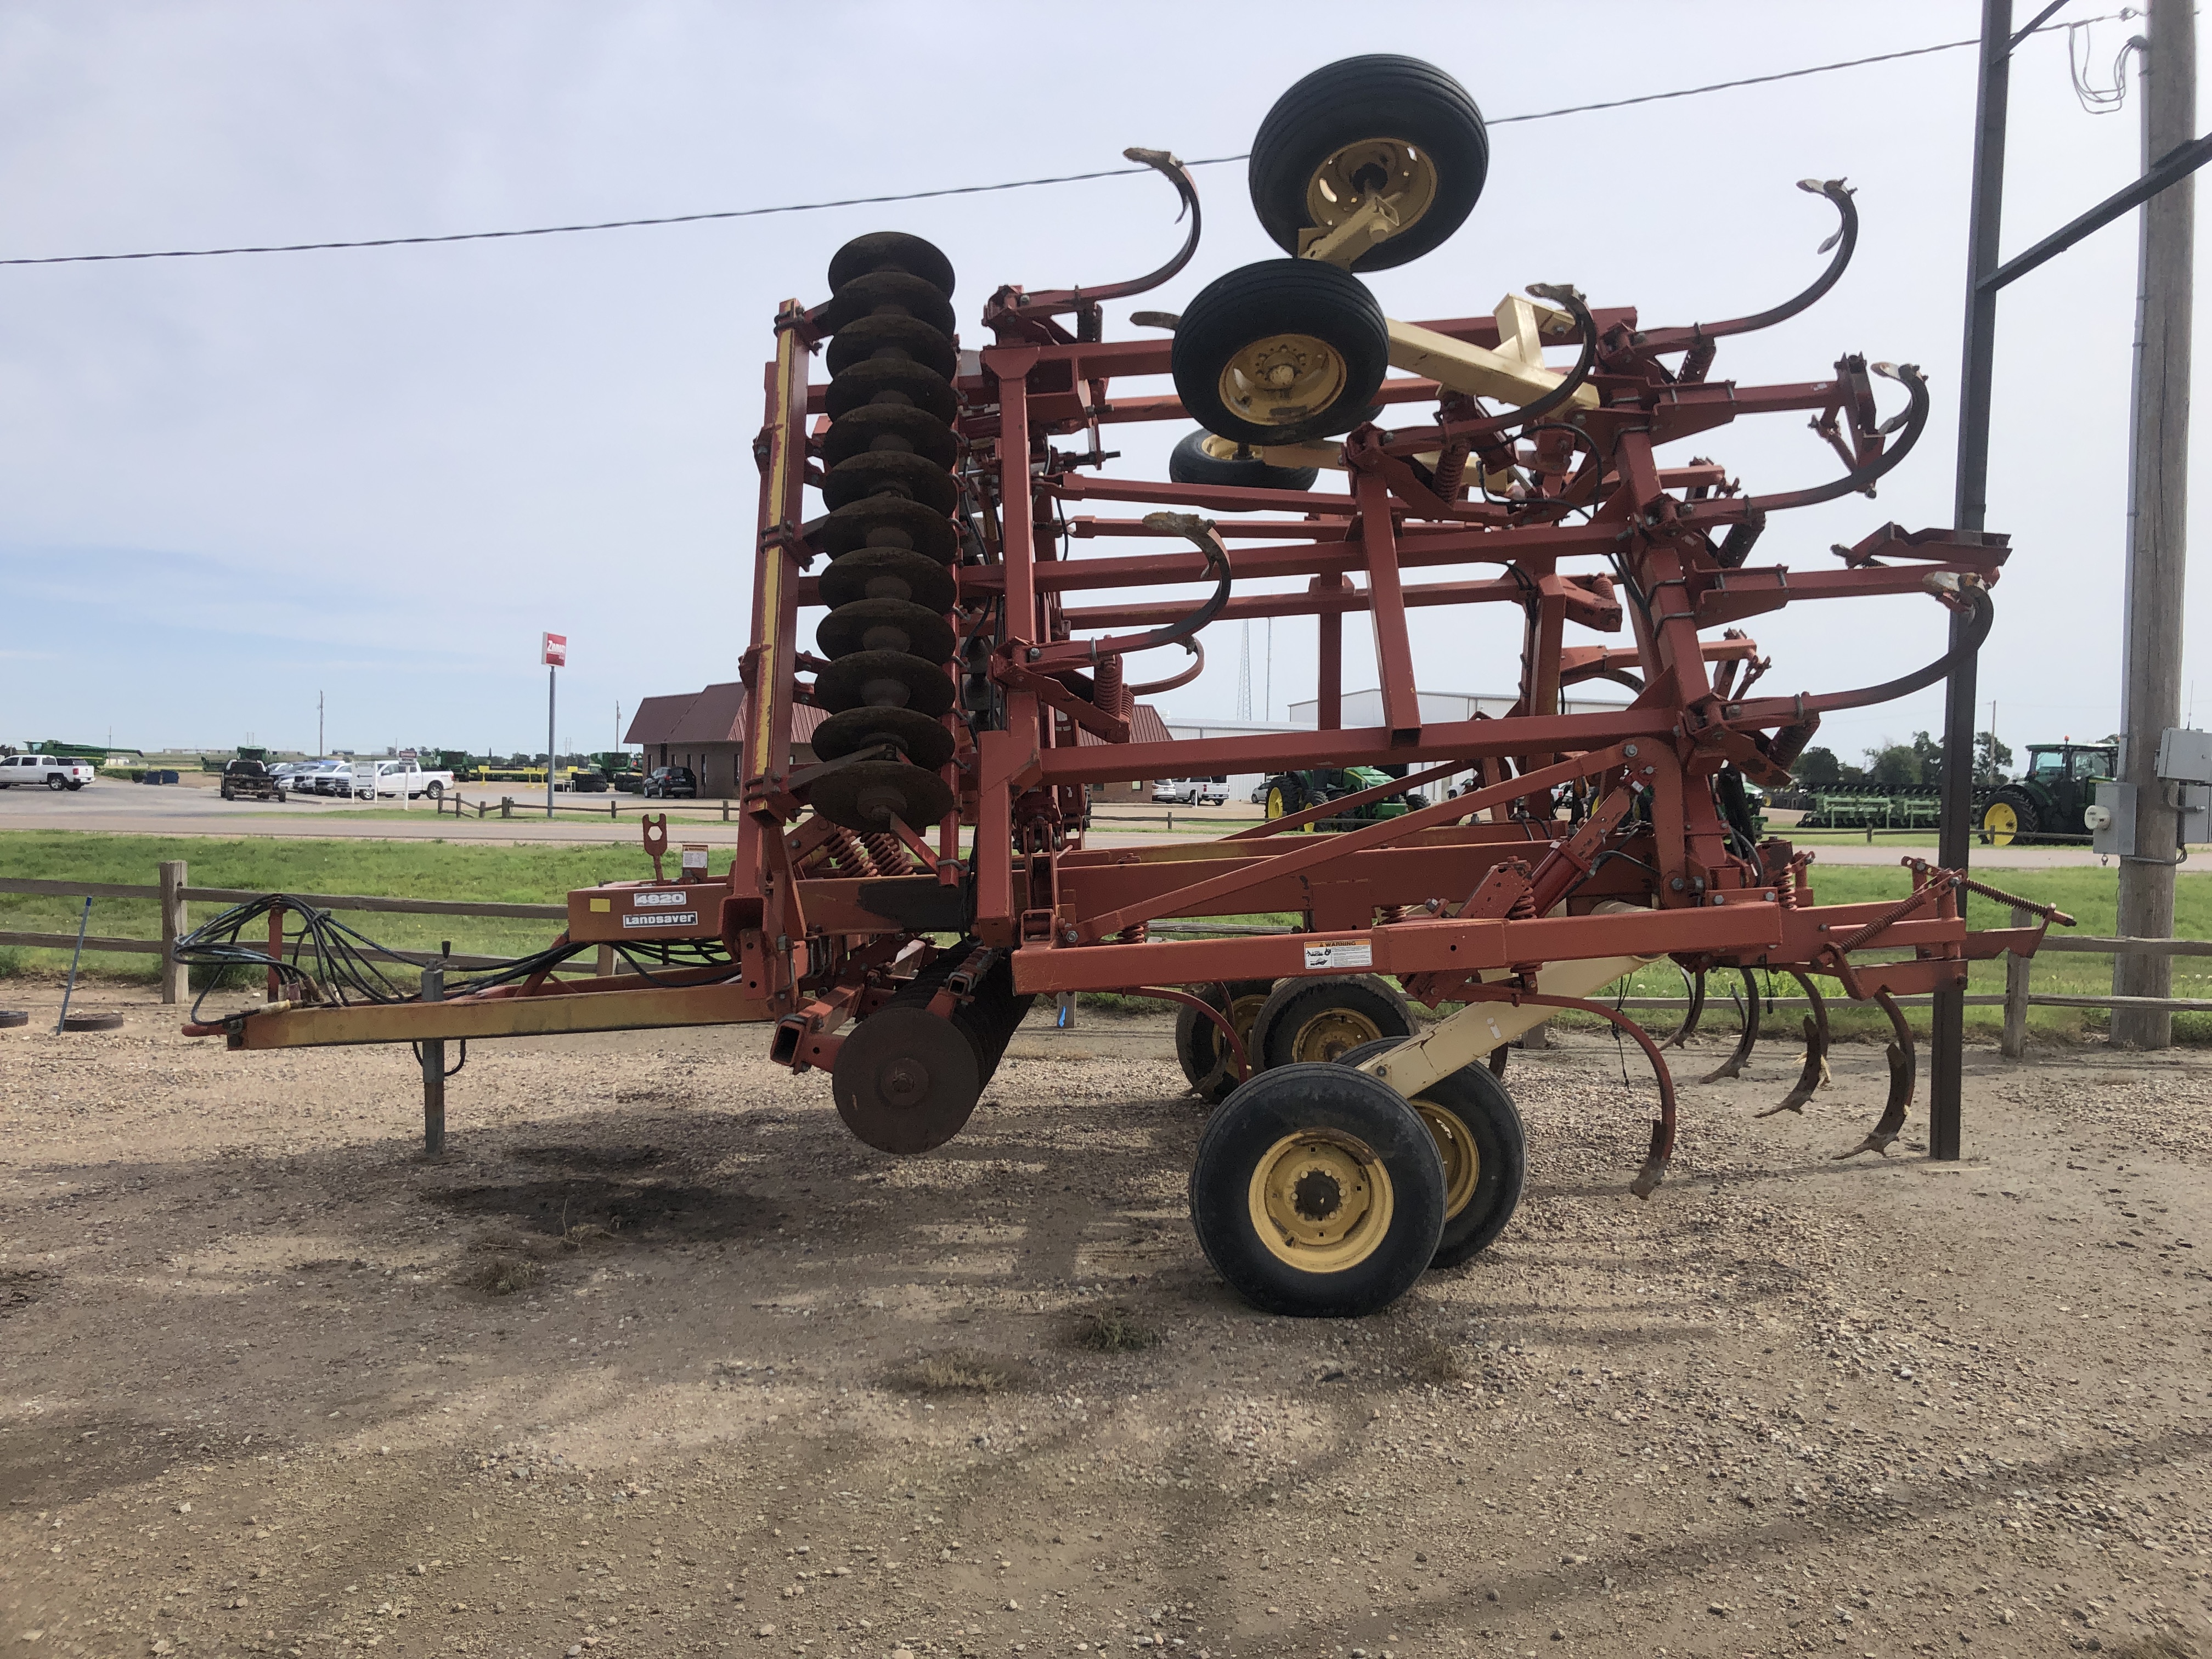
{"x": 1331, "y": 1032}
{"x": 1462, "y": 1160}
{"x": 1275, "y": 807}
{"x": 1242, "y": 1010}
{"x": 1283, "y": 379}
{"x": 1222, "y": 449}
{"x": 2000, "y": 823}
{"x": 1321, "y": 1200}
{"x": 1405, "y": 175}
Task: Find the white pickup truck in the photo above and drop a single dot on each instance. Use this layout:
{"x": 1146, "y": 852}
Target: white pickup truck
{"x": 394, "y": 777}
{"x": 55, "y": 771}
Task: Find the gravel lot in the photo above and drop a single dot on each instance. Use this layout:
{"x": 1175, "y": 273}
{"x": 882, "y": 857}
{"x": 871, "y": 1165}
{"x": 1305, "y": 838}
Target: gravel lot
{"x": 657, "y": 1361}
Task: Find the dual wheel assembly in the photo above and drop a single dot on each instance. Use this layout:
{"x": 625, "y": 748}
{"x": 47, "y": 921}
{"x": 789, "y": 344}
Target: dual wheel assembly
{"x": 1320, "y": 1191}
{"x": 889, "y": 457}
{"x": 1363, "y": 165}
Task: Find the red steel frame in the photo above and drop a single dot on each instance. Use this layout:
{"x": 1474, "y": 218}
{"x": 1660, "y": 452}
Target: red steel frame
{"x": 1449, "y": 882}
{"x": 1593, "y": 835}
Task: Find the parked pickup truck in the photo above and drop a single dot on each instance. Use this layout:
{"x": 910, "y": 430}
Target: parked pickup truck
{"x": 394, "y": 777}
{"x": 55, "y": 771}
{"x": 250, "y": 780}
{"x": 1191, "y": 792}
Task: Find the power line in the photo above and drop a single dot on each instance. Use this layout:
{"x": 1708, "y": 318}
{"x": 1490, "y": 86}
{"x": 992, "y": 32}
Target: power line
{"x": 966, "y": 190}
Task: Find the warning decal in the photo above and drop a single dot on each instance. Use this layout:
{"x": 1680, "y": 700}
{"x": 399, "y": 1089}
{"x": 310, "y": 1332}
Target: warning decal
{"x": 1341, "y": 953}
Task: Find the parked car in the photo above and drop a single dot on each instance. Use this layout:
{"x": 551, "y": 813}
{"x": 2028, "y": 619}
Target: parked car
{"x": 397, "y": 777}
{"x": 249, "y": 780}
{"x": 54, "y": 771}
{"x": 1191, "y": 792}
{"x": 671, "y": 783}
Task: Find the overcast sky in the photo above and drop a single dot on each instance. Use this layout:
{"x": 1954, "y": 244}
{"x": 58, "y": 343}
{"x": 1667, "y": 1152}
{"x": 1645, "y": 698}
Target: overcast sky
{"x": 227, "y": 484}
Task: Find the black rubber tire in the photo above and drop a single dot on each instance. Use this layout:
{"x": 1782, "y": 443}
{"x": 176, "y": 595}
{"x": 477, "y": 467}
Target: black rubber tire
{"x": 1380, "y": 96}
{"x": 1208, "y": 1065}
{"x": 1297, "y": 1002}
{"x": 926, "y": 741}
{"x": 225, "y": 793}
{"x": 1479, "y": 1108}
{"x": 2023, "y": 806}
{"x": 847, "y": 682}
{"x": 898, "y": 429}
{"x": 895, "y": 383}
{"x": 1281, "y": 296}
{"x": 888, "y": 293}
{"x": 55, "y": 780}
{"x": 1304, "y": 1100}
{"x": 900, "y": 339}
{"x": 1292, "y": 791}
{"x": 891, "y": 250}
{"x": 886, "y": 625}
{"x": 889, "y": 573}
{"x": 1189, "y": 464}
{"x": 886, "y": 472}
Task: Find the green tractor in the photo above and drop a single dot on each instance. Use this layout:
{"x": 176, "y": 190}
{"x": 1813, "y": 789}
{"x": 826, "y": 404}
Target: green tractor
{"x": 2045, "y": 804}
{"x": 1293, "y": 792}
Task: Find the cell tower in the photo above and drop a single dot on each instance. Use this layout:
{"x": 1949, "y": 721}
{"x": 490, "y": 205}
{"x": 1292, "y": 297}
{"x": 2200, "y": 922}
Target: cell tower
{"x": 1244, "y": 677}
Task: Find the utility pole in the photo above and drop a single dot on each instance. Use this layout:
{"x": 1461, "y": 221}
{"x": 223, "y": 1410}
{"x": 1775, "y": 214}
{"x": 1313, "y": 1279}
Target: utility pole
{"x": 2158, "y": 518}
{"x": 1948, "y": 1018}
{"x": 319, "y": 725}
{"x": 2164, "y": 168}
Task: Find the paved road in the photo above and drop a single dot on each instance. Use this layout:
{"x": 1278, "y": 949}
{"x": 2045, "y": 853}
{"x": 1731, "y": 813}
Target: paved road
{"x": 126, "y": 809}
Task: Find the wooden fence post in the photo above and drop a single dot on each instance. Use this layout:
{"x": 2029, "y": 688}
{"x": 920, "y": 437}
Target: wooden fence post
{"x": 175, "y": 976}
{"x": 2015, "y": 1002}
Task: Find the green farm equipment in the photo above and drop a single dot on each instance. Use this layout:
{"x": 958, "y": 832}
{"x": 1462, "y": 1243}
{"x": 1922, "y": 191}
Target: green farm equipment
{"x": 1872, "y": 807}
{"x": 1293, "y": 792}
{"x": 620, "y": 768}
{"x": 94, "y": 752}
{"x": 2045, "y": 804}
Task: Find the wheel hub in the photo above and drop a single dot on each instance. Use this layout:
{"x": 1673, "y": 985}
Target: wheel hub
{"x": 1402, "y": 173}
{"x": 1333, "y": 1031}
{"x": 1462, "y": 1160}
{"x": 1281, "y": 379}
{"x": 1321, "y": 1200}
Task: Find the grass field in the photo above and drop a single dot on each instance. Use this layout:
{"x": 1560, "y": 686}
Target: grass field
{"x": 543, "y": 875}
{"x": 427, "y": 870}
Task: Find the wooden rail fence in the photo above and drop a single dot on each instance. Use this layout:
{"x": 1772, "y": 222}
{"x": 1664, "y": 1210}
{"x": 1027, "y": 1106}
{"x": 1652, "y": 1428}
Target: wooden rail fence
{"x": 173, "y": 892}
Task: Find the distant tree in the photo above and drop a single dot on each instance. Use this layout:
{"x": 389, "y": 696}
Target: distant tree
{"x": 1893, "y": 768}
{"x": 1991, "y": 757}
{"x": 1928, "y": 754}
{"x": 1819, "y": 768}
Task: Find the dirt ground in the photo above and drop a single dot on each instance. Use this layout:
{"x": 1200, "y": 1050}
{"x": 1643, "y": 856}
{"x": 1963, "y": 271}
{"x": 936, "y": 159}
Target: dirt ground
{"x": 657, "y": 1361}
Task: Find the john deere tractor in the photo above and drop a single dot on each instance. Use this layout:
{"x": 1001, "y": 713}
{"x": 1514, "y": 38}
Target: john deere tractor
{"x": 2045, "y": 805}
{"x": 1293, "y": 792}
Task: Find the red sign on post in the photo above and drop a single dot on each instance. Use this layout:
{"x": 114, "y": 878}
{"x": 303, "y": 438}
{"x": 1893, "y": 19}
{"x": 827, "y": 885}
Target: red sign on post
{"x": 553, "y": 650}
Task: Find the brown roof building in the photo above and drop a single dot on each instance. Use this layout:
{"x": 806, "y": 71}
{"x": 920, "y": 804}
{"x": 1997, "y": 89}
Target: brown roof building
{"x": 705, "y": 731}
